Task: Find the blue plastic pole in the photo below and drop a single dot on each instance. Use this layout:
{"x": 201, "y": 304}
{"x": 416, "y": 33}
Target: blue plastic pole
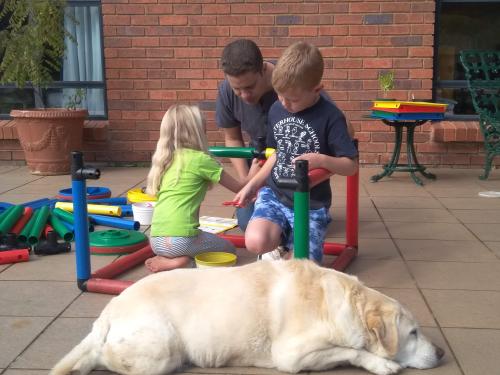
{"x": 115, "y": 222}
{"x": 116, "y": 201}
{"x": 78, "y": 176}
{"x": 81, "y": 230}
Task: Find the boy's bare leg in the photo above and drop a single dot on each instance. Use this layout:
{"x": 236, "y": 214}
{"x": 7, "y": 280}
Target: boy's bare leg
{"x": 262, "y": 236}
{"x": 159, "y": 263}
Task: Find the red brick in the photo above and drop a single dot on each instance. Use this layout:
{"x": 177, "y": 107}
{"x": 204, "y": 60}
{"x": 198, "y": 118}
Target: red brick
{"x": 187, "y": 8}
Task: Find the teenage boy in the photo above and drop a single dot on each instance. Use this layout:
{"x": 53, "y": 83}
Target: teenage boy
{"x": 302, "y": 125}
{"x": 242, "y": 105}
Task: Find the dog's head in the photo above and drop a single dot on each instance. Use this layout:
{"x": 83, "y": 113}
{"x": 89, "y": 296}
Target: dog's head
{"x": 393, "y": 333}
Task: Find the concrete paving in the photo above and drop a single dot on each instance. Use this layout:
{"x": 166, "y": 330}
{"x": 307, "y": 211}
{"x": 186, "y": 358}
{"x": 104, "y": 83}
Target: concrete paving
{"x": 435, "y": 248}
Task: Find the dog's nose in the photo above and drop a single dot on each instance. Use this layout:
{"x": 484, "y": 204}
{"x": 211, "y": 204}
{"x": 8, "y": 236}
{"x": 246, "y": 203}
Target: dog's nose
{"x": 439, "y": 352}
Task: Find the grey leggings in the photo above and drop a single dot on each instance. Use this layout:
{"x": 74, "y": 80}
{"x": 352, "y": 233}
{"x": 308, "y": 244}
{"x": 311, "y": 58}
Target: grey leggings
{"x": 173, "y": 247}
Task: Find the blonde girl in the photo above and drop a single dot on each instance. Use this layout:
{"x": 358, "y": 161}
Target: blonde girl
{"x": 181, "y": 172}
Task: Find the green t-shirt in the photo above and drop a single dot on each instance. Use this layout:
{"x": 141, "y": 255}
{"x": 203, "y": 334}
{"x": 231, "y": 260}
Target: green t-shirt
{"x": 176, "y": 213}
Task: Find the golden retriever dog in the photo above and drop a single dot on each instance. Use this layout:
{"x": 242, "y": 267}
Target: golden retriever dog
{"x": 289, "y": 315}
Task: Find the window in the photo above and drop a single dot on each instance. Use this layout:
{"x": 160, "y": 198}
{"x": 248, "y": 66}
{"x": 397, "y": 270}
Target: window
{"x": 461, "y": 25}
{"x": 83, "y": 67}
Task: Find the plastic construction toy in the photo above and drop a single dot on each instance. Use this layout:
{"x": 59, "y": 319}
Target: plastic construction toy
{"x": 93, "y": 192}
{"x": 102, "y": 281}
{"x": 51, "y": 245}
{"x": 304, "y": 180}
{"x": 10, "y": 242}
{"x": 116, "y": 241}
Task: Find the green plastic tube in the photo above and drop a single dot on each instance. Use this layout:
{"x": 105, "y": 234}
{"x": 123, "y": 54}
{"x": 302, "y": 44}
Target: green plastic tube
{"x": 232, "y": 152}
{"x": 301, "y": 225}
{"x": 9, "y": 220}
{"x": 38, "y": 225}
{"x": 23, "y": 236}
{"x": 64, "y": 215}
{"x": 6, "y": 212}
{"x": 60, "y": 228}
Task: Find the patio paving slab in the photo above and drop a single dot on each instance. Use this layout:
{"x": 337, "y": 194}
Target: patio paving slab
{"x": 429, "y": 231}
{"x": 425, "y": 215}
{"x": 455, "y": 275}
{"x": 382, "y": 273}
{"x": 35, "y": 298}
{"x": 17, "y": 334}
{"x": 477, "y": 349}
{"x": 459, "y": 308}
{"x": 441, "y": 250}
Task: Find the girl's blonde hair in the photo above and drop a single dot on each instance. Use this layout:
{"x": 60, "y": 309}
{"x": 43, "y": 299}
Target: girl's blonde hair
{"x": 299, "y": 67}
{"x": 182, "y": 126}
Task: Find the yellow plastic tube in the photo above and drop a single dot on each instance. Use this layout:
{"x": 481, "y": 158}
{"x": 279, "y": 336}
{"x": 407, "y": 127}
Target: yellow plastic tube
{"x": 99, "y": 209}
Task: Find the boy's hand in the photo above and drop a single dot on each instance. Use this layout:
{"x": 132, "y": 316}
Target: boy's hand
{"x": 315, "y": 160}
{"x": 244, "y": 196}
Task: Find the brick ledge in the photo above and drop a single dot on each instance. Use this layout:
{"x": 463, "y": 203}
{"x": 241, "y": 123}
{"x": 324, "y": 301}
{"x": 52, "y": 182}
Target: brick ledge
{"x": 93, "y": 130}
{"x": 456, "y": 131}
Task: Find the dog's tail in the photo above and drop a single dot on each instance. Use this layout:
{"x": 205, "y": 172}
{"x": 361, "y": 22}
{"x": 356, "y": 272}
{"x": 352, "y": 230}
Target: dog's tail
{"x": 84, "y": 357}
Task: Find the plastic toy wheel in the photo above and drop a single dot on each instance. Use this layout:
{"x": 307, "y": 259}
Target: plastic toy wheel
{"x": 93, "y": 192}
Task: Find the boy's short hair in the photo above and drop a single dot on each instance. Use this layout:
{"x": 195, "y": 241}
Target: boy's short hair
{"x": 300, "y": 66}
{"x": 241, "y": 56}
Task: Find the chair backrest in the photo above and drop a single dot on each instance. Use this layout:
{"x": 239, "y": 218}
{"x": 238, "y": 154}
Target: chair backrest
{"x": 482, "y": 71}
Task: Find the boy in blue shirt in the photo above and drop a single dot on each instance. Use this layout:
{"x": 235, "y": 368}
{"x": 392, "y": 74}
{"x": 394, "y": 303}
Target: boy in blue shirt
{"x": 302, "y": 125}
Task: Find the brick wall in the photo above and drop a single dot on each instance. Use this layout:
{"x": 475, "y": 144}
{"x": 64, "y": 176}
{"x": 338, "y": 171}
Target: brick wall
{"x": 158, "y": 52}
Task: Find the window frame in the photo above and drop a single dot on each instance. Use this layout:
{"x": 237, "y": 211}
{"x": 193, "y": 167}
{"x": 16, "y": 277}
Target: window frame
{"x": 78, "y": 84}
{"x": 449, "y": 84}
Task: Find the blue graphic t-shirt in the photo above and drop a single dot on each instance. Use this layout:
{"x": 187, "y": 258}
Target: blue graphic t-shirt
{"x": 322, "y": 129}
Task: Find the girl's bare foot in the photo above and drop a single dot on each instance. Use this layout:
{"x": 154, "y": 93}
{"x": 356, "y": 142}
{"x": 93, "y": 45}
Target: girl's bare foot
{"x": 159, "y": 263}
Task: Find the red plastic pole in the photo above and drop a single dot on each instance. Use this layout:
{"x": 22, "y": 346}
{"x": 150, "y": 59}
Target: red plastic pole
{"x": 107, "y": 286}
{"x": 124, "y": 264}
{"x": 28, "y": 211}
{"x": 352, "y": 210}
{"x": 236, "y": 239}
{"x": 14, "y": 256}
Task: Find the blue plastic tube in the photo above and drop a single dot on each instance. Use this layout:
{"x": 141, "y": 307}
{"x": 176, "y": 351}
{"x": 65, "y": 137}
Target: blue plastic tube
{"x": 37, "y": 203}
{"x": 126, "y": 209}
{"x": 5, "y": 205}
{"x": 116, "y": 201}
{"x": 115, "y": 222}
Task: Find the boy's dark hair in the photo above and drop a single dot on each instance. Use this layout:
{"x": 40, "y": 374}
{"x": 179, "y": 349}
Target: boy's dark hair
{"x": 241, "y": 56}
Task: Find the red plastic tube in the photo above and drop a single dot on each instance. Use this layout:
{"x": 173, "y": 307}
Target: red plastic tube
{"x": 28, "y": 211}
{"x": 48, "y": 228}
{"x": 124, "y": 264}
{"x": 107, "y": 286}
{"x": 14, "y": 256}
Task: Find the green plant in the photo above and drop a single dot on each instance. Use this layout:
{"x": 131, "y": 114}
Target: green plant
{"x": 32, "y": 44}
{"x": 74, "y": 100}
{"x": 386, "y": 81}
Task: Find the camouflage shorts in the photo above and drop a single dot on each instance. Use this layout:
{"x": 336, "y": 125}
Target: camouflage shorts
{"x": 268, "y": 207}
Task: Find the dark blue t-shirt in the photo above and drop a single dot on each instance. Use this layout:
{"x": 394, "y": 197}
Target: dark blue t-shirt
{"x": 322, "y": 129}
{"x": 231, "y": 111}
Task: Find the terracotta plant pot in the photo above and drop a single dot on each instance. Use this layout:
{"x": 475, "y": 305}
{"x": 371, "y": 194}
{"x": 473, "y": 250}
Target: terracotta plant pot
{"x": 48, "y": 136}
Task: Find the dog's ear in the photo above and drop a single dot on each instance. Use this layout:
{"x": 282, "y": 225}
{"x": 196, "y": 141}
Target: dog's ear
{"x": 381, "y": 324}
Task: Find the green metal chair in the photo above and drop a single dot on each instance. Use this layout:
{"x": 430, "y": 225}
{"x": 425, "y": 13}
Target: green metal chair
{"x": 482, "y": 71}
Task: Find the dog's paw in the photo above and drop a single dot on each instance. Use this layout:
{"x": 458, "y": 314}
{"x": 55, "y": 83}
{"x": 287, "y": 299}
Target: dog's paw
{"x": 384, "y": 367}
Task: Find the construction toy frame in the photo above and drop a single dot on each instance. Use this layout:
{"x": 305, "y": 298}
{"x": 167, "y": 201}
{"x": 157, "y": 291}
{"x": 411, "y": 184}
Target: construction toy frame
{"x": 102, "y": 281}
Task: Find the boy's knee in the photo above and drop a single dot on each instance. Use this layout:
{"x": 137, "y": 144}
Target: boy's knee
{"x": 256, "y": 243}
